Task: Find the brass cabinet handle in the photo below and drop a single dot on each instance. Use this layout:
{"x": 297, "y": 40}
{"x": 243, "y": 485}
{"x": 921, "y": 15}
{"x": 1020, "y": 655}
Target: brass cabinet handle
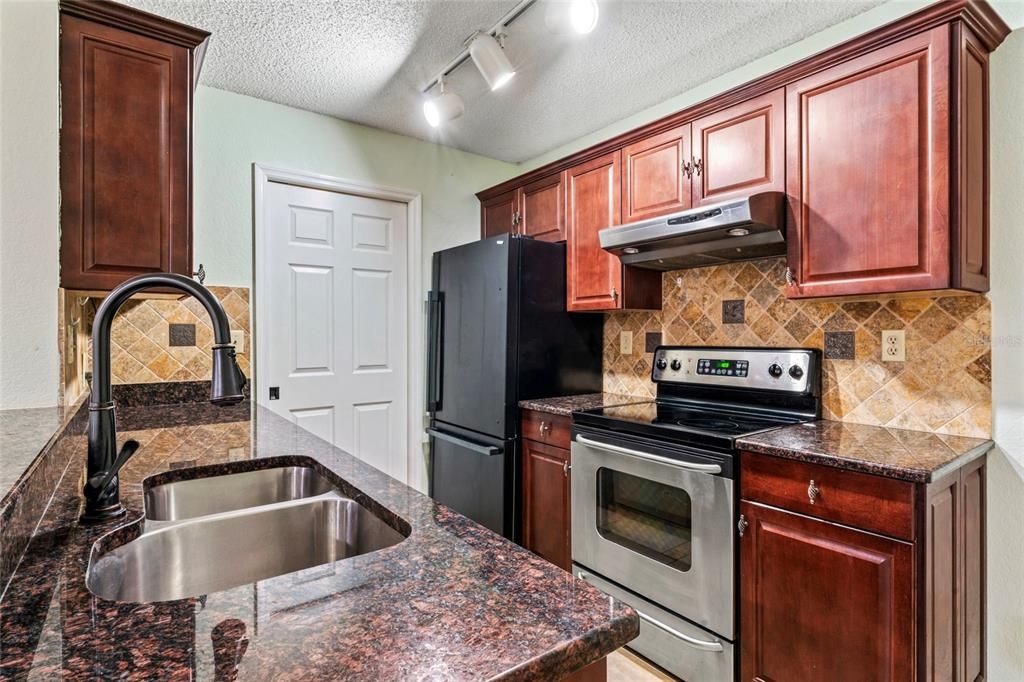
{"x": 698, "y": 166}
{"x": 566, "y": 468}
{"x": 615, "y": 293}
{"x": 687, "y": 169}
{"x": 813, "y": 491}
{"x": 544, "y": 428}
{"x": 790, "y": 277}
{"x": 741, "y": 525}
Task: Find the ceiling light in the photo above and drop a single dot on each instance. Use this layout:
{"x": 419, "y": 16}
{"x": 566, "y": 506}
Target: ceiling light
{"x": 443, "y": 107}
{"x": 571, "y": 16}
{"x": 491, "y": 61}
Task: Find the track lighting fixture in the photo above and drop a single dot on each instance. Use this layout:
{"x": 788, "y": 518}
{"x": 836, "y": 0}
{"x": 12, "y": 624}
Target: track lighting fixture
{"x": 571, "y": 16}
{"x": 490, "y": 60}
{"x": 443, "y": 107}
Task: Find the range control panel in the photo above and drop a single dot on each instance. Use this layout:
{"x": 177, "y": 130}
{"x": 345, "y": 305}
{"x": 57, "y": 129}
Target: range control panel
{"x": 774, "y": 369}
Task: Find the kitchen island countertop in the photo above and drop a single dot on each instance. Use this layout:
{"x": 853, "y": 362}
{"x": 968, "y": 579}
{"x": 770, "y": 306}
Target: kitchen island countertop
{"x": 451, "y": 601}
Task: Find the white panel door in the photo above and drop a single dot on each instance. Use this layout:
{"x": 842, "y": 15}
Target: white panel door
{"x": 335, "y": 324}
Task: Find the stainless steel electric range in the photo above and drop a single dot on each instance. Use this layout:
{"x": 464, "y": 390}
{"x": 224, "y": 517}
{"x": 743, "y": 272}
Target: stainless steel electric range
{"x": 654, "y": 505}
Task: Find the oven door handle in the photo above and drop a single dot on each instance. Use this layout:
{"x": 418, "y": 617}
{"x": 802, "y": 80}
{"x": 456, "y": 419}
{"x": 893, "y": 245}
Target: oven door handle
{"x": 690, "y": 466}
{"x": 691, "y": 641}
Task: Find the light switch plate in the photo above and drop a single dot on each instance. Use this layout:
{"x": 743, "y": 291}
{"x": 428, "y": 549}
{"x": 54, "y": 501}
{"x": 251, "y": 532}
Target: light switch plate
{"x": 626, "y": 343}
{"x": 894, "y": 345}
{"x": 238, "y": 339}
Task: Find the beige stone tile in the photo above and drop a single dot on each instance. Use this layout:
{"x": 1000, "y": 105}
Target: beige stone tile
{"x": 144, "y": 350}
{"x": 908, "y": 309}
{"x": 934, "y": 324}
{"x": 123, "y": 333}
{"x": 164, "y": 366}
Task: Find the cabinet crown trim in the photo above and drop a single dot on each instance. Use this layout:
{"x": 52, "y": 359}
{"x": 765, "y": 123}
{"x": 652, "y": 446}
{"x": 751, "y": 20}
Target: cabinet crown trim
{"x": 978, "y": 15}
{"x": 136, "y": 21}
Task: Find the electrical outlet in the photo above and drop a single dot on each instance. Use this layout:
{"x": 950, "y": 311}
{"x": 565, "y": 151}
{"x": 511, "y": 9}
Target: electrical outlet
{"x": 894, "y": 345}
{"x": 626, "y": 343}
{"x": 238, "y": 339}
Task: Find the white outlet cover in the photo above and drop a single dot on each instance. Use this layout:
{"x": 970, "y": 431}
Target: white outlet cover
{"x": 894, "y": 345}
{"x": 626, "y": 343}
{"x": 238, "y": 339}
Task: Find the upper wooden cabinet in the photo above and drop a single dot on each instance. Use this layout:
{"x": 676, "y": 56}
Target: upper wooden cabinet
{"x": 500, "y": 214}
{"x": 880, "y": 143}
{"x": 126, "y": 134}
{"x": 868, "y": 169}
{"x": 542, "y": 212}
{"x": 536, "y": 210}
{"x": 656, "y": 175}
{"x": 597, "y": 280}
{"x": 740, "y": 150}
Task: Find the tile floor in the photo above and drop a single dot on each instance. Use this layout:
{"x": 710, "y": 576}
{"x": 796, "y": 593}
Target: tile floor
{"x": 625, "y": 666}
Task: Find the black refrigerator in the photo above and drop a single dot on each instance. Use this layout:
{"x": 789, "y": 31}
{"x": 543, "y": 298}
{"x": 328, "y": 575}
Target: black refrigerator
{"x": 498, "y": 333}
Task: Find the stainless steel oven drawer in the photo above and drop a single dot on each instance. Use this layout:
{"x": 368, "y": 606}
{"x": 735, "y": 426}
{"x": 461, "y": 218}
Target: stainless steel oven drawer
{"x": 678, "y": 646}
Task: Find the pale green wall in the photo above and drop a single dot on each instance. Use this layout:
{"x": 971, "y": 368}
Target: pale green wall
{"x": 1006, "y": 464}
{"x": 233, "y": 131}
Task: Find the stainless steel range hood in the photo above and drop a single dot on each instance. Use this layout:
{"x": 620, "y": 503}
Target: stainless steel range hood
{"x": 742, "y": 229}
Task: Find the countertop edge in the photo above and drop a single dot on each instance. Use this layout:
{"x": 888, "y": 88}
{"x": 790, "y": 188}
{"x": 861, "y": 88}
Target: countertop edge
{"x": 909, "y": 474}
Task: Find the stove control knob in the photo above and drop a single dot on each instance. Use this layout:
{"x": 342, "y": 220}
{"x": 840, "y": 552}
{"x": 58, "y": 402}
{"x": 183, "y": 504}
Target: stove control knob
{"x": 676, "y": 365}
{"x": 796, "y": 371}
{"x": 775, "y": 370}
{"x": 661, "y": 364}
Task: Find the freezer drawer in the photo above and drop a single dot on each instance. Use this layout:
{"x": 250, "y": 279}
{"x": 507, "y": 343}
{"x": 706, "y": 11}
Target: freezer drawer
{"x": 474, "y": 476}
{"x": 677, "y": 645}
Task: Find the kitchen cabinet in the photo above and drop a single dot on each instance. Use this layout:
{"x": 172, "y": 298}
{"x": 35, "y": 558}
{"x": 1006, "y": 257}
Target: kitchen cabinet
{"x": 880, "y": 144}
{"x": 597, "y": 280}
{"x": 850, "y": 576}
{"x": 126, "y": 80}
{"x": 500, "y": 214}
{"x": 546, "y": 440}
{"x": 657, "y": 175}
{"x": 535, "y": 210}
{"x": 869, "y": 164}
{"x": 740, "y": 150}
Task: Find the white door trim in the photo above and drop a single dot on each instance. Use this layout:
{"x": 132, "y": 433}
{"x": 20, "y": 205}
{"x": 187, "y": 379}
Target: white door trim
{"x": 263, "y": 174}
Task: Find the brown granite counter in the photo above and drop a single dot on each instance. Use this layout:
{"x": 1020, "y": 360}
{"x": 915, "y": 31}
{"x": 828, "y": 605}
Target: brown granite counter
{"x": 566, "y": 405}
{"x": 452, "y": 601}
{"x": 915, "y": 456}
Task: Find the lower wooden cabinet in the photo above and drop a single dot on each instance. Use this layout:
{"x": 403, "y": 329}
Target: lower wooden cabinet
{"x": 546, "y": 520}
{"x": 823, "y": 599}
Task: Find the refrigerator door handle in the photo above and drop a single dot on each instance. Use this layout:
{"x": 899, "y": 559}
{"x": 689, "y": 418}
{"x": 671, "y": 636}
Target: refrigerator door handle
{"x": 489, "y": 450}
{"x": 435, "y": 322}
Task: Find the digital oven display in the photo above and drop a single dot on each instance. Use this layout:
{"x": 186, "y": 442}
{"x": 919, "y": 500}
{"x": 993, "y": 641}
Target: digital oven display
{"x": 728, "y": 368}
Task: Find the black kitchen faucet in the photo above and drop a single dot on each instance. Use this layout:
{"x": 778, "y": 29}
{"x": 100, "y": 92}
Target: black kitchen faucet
{"x": 102, "y": 488}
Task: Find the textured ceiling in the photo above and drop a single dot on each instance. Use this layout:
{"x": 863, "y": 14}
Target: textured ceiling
{"x": 366, "y": 61}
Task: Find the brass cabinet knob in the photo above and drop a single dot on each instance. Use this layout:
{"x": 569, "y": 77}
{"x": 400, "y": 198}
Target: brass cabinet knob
{"x": 813, "y": 491}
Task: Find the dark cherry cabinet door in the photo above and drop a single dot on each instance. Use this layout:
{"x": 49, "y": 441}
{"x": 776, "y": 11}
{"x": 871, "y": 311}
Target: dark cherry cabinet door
{"x": 592, "y": 204}
{"x": 867, "y": 170}
{"x": 500, "y": 214}
{"x": 654, "y": 175}
{"x": 546, "y": 502}
{"x": 125, "y": 155}
{"x": 822, "y": 601}
{"x": 740, "y": 150}
{"x": 543, "y": 209}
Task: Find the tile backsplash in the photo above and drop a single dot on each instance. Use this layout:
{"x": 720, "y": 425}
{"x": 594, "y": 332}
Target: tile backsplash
{"x": 944, "y": 386}
{"x": 157, "y": 339}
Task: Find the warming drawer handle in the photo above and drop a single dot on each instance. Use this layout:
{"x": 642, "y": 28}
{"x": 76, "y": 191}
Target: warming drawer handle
{"x": 690, "y": 466}
{"x": 701, "y": 644}
{"x": 488, "y": 450}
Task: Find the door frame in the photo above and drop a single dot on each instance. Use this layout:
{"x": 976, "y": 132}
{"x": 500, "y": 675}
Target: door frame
{"x": 415, "y": 465}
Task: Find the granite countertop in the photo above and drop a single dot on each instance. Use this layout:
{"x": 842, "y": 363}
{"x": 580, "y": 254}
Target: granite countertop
{"x": 451, "y": 601}
{"x": 915, "y": 456}
{"x": 566, "y": 405}
{"x": 23, "y": 435}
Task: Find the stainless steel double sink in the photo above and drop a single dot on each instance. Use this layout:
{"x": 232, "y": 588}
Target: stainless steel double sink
{"x": 209, "y": 534}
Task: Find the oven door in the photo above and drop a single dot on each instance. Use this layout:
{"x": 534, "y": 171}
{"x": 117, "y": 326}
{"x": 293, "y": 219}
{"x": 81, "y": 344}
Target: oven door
{"x": 657, "y": 521}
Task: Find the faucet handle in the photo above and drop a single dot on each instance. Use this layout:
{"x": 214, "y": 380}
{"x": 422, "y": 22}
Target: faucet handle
{"x": 127, "y": 450}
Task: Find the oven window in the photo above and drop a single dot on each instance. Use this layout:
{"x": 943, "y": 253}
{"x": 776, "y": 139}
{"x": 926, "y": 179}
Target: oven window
{"x": 645, "y": 516}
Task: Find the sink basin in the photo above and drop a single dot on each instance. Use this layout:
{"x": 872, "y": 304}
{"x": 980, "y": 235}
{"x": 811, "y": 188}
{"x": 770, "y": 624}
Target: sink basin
{"x": 215, "y": 494}
{"x": 198, "y": 556}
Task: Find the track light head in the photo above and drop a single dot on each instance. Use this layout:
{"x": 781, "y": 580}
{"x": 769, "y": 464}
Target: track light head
{"x": 490, "y": 60}
{"x": 443, "y": 107}
{"x": 571, "y": 16}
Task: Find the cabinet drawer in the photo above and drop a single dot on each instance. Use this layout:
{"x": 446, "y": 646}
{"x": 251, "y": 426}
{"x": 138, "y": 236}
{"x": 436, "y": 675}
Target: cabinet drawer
{"x": 873, "y": 503}
{"x": 553, "y": 429}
